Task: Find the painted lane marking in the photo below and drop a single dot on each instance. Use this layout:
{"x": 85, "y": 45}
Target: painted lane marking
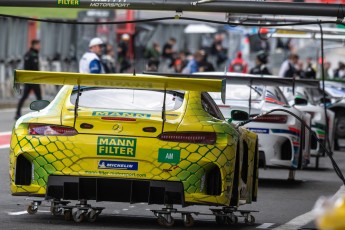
{"x": 265, "y": 225}
{"x": 5, "y": 139}
{"x": 24, "y": 212}
{"x": 4, "y": 146}
{"x": 17, "y": 213}
{"x": 297, "y": 222}
{"x": 305, "y": 218}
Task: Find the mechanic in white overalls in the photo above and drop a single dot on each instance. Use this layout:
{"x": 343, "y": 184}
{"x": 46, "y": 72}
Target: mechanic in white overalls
{"x": 90, "y": 61}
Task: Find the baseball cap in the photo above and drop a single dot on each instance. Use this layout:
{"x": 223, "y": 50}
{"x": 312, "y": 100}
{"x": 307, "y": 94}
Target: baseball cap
{"x": 125, "y": 36}
{"x": 95, "y": 42}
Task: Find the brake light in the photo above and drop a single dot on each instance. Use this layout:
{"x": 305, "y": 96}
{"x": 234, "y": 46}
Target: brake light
{"x": 51, "y": 130}
{"x": 190, "y": 137}
{"x": 272, "y": 119}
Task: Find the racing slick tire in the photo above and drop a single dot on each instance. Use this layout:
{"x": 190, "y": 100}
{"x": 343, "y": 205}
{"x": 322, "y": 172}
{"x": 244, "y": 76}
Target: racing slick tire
{"x": 235, "y": 193}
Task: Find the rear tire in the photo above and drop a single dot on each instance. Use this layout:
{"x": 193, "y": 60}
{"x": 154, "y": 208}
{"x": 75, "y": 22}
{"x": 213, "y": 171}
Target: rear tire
{"x": 255, "y": 172}
{"x": 235, "y": 183}
{"x": 340, "y": 125}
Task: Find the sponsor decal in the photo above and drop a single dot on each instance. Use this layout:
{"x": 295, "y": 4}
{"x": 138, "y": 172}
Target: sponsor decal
{"x": 119, "y": 165}
{"x": 112, "y": 173}
{"x": 68, "y": 2}
{"x": 291, "y": 131}
{"x": 110, "y": 3}
{"x": 258, "y": 130}
{"x": 120, "y": 114}
{"x": 171, "y": 156}
{"x": 116, "y": 146}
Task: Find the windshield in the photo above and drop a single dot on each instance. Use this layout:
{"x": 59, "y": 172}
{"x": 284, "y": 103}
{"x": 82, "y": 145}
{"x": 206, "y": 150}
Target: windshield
{"x": 242, "y": 93}
{"x": 128, "y": 99}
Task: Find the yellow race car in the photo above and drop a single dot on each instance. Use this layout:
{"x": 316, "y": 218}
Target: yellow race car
{"x": 125, "y": 138}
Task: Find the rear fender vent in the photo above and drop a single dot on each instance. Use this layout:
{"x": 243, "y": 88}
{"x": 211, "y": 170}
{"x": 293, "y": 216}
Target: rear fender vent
{"x": 214, "y": 181}
{"x": 23, "y": 171}
{"x": 286, "y": 150}
{"x": 313, "y": 141}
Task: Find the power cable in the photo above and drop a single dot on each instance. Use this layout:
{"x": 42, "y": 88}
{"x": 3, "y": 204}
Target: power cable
{"x": 323, "y": 88}
{"x": 329, "y": 154}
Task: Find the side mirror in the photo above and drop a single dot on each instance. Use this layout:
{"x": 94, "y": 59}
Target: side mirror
{"x": 300, "y": 101}
{"x": 39, "y": 105}
{"x": 239, "y": 115}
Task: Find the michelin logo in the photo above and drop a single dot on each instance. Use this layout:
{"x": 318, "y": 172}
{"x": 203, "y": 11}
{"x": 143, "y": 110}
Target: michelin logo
{"x": 119, "y": 165}
{"x": 257, "y": 130}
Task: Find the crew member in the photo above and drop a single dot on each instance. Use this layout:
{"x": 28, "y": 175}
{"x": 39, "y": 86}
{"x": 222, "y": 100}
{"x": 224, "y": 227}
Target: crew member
{"x": 238, "y": 65}
{"x": 261, "y": 64}
{"x": 90, "y": 61}
{"x": 288, "y": 68}
{"x": 31, "y": 62}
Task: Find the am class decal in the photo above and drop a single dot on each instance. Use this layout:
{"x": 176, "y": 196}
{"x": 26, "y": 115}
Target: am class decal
{"x": 171, "y": 156}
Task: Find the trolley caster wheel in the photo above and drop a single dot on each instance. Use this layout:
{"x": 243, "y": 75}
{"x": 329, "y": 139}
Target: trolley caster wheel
{"x": 92, "y": 216}
{"x": 165, "y": 222}
{"x": 56, "y": 211}
{"x": 188, "y": 220}
{"x": 32, "y": 209}
{"x": 220, "y": 220}
{"x": 232, "y": 219}
{"x": 78, "y": 216}
{"x": 160, "y": 220}
{"x": 249, "y": 220}
{"x": 67, "y": 215}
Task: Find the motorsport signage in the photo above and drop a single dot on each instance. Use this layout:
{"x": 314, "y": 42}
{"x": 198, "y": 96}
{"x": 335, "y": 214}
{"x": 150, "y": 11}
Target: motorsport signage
{"x": 250, "y": 7}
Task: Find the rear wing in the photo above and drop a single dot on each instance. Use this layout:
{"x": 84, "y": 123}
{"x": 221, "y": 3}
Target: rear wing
{"x": 129, "y": 81}
{"x": 248, "y": 79}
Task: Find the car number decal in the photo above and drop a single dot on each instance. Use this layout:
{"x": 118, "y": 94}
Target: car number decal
{"x": 116, "y": 146}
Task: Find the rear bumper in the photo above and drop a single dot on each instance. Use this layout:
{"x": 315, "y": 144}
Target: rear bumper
{"x": 115, "y": 190}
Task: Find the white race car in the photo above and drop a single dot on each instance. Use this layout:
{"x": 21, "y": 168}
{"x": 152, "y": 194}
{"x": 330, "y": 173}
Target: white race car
{"x": 321, "y": 129}
{"x": 283, "y": 139}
